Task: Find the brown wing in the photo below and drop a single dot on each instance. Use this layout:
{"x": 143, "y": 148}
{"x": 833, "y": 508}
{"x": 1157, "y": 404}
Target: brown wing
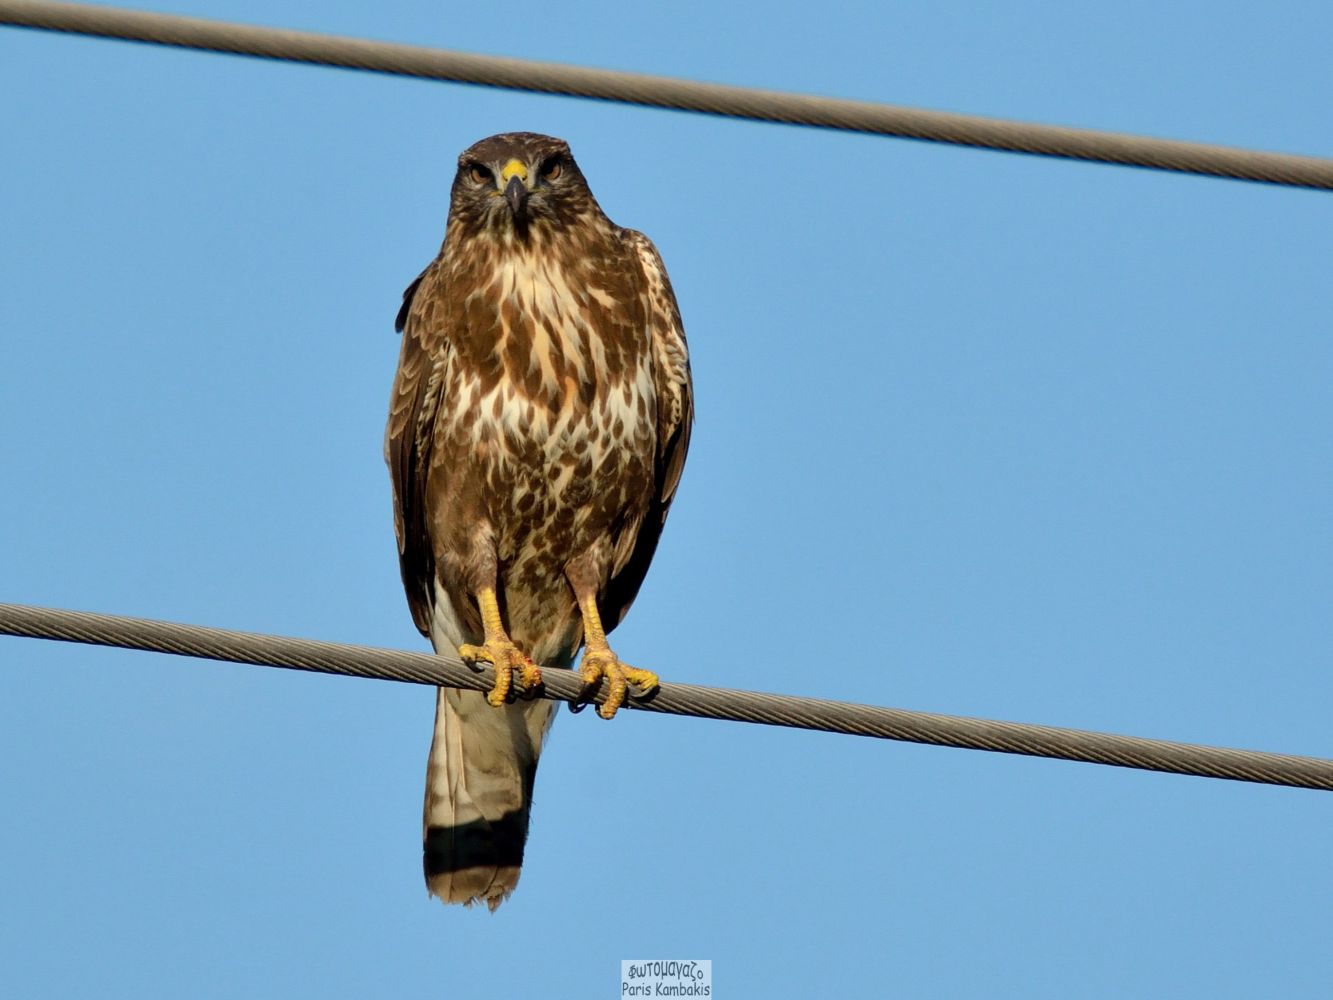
{"x": 675, "y": 418}
{"x": 414, "y": 402}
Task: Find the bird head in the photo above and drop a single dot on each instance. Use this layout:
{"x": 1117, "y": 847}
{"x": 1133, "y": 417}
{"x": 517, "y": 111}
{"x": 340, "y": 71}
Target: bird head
{"x": 518, "y": 181}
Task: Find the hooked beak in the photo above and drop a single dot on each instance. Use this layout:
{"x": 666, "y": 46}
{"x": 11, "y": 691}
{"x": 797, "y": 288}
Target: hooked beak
{"x": 516, "y": 193}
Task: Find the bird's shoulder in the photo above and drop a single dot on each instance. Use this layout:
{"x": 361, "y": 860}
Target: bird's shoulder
{"x": 670, "y": 348}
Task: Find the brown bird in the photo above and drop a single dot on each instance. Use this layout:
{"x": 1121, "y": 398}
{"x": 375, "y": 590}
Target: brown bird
{"x": 537, "y": 429}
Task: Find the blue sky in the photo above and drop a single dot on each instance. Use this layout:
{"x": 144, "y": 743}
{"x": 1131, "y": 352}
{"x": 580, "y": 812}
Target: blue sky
{"x": 978, "y": 433}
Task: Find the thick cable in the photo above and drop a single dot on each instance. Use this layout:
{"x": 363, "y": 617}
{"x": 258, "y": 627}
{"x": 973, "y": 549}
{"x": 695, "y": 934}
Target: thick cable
{"x": 670, "y": 92}
{"x": 677, "y": 699}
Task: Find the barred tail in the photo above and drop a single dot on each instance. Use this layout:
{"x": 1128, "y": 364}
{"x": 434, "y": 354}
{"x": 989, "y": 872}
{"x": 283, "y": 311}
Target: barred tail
{"x": 478, "y": 794}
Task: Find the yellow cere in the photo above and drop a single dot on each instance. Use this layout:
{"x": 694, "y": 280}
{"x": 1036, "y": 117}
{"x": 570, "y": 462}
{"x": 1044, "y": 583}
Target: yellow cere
{"x": 514, "y": 167}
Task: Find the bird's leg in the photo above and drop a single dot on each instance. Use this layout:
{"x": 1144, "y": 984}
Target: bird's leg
{"x": 499, "y": 650}
{"x": 599, "y": 661}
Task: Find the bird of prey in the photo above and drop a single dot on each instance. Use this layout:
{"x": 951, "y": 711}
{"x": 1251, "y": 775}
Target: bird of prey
{"x": 538, "y": 425}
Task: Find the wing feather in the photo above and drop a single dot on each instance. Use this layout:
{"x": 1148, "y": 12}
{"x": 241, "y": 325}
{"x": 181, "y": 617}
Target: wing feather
{"x": 675, "y": 419}
{"x": 414, "y": 403}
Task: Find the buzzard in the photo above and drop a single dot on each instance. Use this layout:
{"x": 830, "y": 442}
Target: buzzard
{"x": 538, "y": 425}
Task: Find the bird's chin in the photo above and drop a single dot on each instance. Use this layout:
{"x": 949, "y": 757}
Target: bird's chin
{"x": 520, "y": 223}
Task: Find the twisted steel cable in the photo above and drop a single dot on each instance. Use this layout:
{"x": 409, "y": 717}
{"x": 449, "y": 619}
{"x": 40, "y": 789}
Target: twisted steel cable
{"x": 678, "y": 699}
{"x": 670, "y": 92}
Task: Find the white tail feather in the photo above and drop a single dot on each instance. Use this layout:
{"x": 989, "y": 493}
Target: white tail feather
{"x": 479, "y": 794}
{"x": 478, "y": 784}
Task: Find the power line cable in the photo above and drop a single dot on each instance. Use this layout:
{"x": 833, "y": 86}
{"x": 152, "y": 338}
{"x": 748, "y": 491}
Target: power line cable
{"x": 678, "y": 699}
{"x": 670, "y": 92}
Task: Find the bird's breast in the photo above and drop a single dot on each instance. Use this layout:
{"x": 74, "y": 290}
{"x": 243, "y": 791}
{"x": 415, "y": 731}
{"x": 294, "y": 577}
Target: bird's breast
{"x": 567, "y": 352}
{"x": 554, "y": 394}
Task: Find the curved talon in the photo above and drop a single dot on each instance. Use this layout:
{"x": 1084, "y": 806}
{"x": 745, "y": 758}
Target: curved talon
{"x": 599, "y": 663}
{"x": 507, "y": 659}
{"x": 529, "y": 678}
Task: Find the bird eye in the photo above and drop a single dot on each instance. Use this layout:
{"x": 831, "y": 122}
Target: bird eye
{"x": 480, "y": 175}
{"x": 551, "y": 169}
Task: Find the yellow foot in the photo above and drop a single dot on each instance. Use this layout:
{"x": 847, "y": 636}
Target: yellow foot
{"x": 507, "y": 659}
{"x": 599, "y": 663}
